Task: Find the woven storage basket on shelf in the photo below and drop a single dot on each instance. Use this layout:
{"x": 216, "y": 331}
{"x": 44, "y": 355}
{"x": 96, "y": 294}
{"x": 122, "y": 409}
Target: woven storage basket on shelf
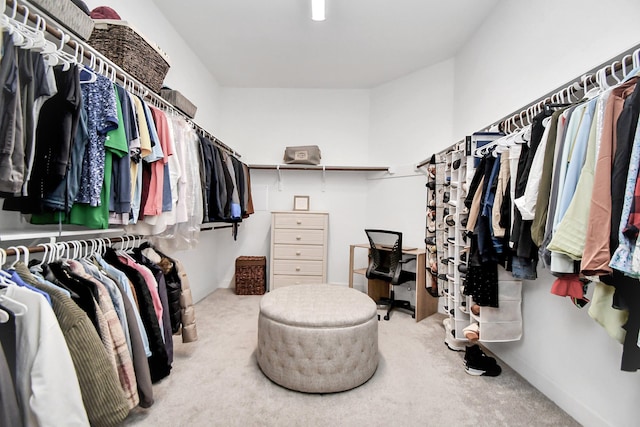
{"x": 131, "y": 51}
{"x": 251, "y": 278}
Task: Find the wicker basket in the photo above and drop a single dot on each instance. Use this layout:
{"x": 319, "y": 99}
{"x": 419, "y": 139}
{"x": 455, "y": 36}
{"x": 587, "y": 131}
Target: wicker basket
{"x": 251, "y": 278}
{"x": 130, "y": 50}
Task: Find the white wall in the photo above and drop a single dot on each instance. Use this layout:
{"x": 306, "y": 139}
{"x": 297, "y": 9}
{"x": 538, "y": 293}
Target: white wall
{"x": 411, "y": 118}
{"x": 395, "y": 125}
{"x": 261, "y": 122}
{"x": 524, "y": 50}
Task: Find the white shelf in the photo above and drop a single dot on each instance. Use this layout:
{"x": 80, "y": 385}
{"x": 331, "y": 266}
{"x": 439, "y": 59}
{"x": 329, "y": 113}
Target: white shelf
{"x": 47, "y": 233}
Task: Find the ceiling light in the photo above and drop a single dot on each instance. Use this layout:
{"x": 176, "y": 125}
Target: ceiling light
{"x": 317, "y": 10}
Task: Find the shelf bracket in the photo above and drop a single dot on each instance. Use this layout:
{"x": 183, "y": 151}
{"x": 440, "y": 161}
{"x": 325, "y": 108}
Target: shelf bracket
{"x": 324, "y": 179}
{"x": 279, "y": 177}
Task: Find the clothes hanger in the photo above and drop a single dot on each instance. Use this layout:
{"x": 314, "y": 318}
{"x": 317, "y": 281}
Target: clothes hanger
{"x": 26, "y": 254}
{"x": 106, "y": 244}
{"x": 4, "y": 19}
{"x": 77, "y": 249}
{"x": 4, "y": 316}
{"x": 64, "y": 58}
{"x": 4, "y": 279}
{"x": 90, "y": 248}
{"x": 17, "y": 308}
{"x": 613, "y": 72}
{"x": 67, "y": 247}
{"x": 635, "y": 58}
{"x": 60, "y": 253}
{"x": 627, "y": 61}
{"x": 29, "y": 35}
{"x": 124, "y": 246}
{"x": 82, "y": 68}
{"x": 38, "y": 267}
{"x": 18, "y": 39}
{"x": 99, "y": 247}
{"x": 18, "y": 252}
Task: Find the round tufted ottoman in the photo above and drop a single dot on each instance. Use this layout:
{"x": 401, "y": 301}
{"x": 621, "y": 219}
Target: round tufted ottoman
{"x": 317, "y": 338}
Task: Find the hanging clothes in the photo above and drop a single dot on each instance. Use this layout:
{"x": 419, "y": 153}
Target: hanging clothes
{"x": 159, "y": 365}
{"x": 102, "y": 395}
{"x": 597, "y": 251}
{"x": 45, "y": 365}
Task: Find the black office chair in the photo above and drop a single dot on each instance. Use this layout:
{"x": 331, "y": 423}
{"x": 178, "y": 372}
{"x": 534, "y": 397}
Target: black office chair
{"x": 386, "y": 263}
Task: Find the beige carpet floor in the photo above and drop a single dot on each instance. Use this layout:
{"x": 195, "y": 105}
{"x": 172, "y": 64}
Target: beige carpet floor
{"x": 419, "y": 382}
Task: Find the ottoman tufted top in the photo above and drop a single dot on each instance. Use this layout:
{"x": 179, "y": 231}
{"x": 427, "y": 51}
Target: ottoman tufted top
{"x": 318, "y": 306}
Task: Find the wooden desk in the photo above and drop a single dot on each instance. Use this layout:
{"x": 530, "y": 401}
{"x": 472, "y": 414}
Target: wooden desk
{"x": 426, "y": 305}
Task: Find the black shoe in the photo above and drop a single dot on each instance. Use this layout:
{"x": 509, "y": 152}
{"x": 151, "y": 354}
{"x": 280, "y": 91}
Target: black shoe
{"x": 463, "y": 257}
{"x": 456, "y": 164}
{"x": 431, "y": 185}
{"x": 445, "y": 212}
{"x": 430, "y": 240}
{"x": 463, "y": 221}
{"x": 485, "y": 368}
{"x": 462, "y": 268}
{"x": 477, "y": 363}
{"x": 445, "y": 197}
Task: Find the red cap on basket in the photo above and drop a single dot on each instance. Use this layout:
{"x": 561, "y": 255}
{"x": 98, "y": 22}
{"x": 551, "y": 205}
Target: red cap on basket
{"x": 104, "y": 12}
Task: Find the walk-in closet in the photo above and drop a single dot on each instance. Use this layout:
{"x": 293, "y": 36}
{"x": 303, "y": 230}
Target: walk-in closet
{"x": 189, "y": 190}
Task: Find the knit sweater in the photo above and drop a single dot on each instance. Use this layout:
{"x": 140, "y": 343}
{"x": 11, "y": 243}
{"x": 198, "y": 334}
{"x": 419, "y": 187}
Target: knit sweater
{"x": 102, "y": 396}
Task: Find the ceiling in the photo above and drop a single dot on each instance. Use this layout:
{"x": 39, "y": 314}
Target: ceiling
{"x": 362, "y": 43}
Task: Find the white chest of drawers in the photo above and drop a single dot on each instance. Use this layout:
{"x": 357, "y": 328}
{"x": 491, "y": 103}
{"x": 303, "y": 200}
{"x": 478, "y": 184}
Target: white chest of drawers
{"x": 298, "y": 248}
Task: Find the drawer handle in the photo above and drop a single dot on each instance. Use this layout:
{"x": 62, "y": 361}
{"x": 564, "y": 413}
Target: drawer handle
{"x": 299, "y": 222}
{"x": 298, "y": 237}
{"x": 297, "y": 268}
{"x": 298, "y": 253}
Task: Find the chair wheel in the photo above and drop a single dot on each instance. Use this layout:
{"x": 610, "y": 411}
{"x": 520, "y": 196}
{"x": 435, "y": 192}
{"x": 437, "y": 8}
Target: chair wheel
{"x": 413, "y": 316}
{"x": 386, "y": 317}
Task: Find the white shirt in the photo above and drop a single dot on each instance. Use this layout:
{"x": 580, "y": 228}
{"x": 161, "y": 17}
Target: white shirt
{"x": 526, "y": 204}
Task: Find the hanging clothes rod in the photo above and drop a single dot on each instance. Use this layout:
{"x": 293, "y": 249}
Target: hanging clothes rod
{"x": 624, "y": 62}
{"x": 43, "y": 247}
{"x": 112, "y": 70}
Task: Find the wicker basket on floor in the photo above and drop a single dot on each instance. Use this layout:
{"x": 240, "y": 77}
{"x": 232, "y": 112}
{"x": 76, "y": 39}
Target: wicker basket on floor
{"x": 131, "y": 51}
{"x": 251, "y": 278}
